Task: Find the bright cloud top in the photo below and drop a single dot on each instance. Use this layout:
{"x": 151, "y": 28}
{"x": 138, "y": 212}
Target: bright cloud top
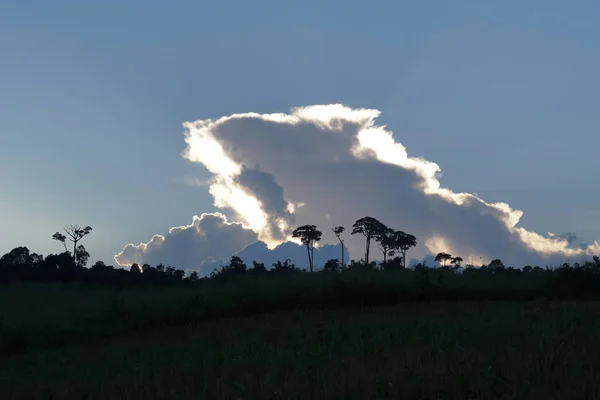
{"x": 331, "y": 164}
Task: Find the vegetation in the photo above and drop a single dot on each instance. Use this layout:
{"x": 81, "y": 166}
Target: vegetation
{"x": 309, "y": 235}
{"x": 20, "y": 265}
{"x": 338, "y": 230}
{"x": 60, "y": 319}
{"x": 41, "y": 315}
{"x": 473, "y": 350}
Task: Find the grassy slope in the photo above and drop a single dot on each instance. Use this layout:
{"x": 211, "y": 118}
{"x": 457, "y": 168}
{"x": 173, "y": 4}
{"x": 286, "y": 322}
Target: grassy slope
{"x": 34, "y": 316}
{"x": 458, "y": 350}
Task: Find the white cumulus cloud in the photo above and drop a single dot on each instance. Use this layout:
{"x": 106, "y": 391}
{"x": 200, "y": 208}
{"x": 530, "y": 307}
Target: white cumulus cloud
{"x": 186, "y": 247}
{"x": 332, "y": 164}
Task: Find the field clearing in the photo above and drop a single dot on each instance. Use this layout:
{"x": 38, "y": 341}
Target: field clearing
{"x": 42, "y": 315}
{"x": 435, "y": 350}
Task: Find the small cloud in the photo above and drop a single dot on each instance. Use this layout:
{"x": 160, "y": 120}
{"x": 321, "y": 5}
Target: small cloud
{"x": 192, "y": 181}
{"x": 186, "y": 247}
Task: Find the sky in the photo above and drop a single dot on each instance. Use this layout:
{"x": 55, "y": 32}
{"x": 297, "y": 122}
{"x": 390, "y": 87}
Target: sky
{"x": 502, "y": 96}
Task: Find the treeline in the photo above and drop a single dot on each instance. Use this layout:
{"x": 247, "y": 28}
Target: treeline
{"x": 22, "y": 265}
{"x": 495, "y": 280}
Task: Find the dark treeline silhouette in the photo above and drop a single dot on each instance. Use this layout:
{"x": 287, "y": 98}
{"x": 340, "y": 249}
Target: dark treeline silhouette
{"x": 21, "y": 265}
{"x": 569, "y": 279}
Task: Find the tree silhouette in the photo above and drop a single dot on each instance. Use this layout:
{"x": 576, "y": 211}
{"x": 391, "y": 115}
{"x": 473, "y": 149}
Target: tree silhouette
{"x": 442, "y": 258}
{"x": 338, "y": 230}
{"x": 496, "y": 264}
{"x": 235, "y": 267}
{"x": 386, "y": 239}
{"x": 332, "y": 265}
{"x": 258, "y": 268}
{"x": 135, "y": 269}
{"x": 75, "y": 233}
{"x": 368, "y": 227}
{"x": 99, "y": 265}
{"x": 309, "y": 235}
{"x": 456, "y": 261}
{"x": 393, "y": 264}
{"x": 402, "y": 242}
{"x": 285, "y": 267}
{"x": 17, "y": 256}
{"x": 81, "y": 256}
{"x": 60, "y": 238}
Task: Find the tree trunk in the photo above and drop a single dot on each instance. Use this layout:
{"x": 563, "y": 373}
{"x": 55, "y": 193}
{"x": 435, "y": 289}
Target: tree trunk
{"x": 309, "y": 260}
{"x": 367, "y": 252}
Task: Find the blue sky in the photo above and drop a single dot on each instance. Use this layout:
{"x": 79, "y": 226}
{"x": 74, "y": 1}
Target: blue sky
{"x": 503, "y": 96}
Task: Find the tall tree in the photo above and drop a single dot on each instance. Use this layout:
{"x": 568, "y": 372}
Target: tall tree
{"x": 386, "y": 239}
{"x": 75, "y": 233}
{"x": 368, "y": 227}
{"x": 308, "y": 235}
{"x": 442, "y": 258}
{"x": 402, "y": 242}
{"x": 338, "y": 230}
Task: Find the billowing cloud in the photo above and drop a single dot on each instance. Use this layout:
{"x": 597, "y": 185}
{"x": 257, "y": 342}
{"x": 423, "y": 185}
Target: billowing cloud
{"x": 208, "y": 243}
{"x": 330, "y": 165}
{"x": 186, "y": 247}
{"x": 263, "y": 186}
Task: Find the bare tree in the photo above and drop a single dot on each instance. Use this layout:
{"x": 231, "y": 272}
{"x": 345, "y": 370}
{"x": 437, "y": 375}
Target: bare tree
{"x": 309, "y": 235}
{"x": 338, "y": 230}
{"x": 74, "y": 233}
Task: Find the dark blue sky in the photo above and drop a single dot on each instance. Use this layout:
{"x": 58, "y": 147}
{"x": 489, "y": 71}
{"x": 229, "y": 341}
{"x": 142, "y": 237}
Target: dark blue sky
{"x": 502, "y": 95}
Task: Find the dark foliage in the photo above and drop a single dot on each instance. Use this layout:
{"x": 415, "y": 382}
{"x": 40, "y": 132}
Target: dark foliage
{"x": 20, "y": 266}
{"x": 470, "y": 282}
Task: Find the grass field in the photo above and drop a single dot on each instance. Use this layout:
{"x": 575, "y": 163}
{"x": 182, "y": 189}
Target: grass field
{"x": 435, "y": 350}
{"x": 45, "y": 315}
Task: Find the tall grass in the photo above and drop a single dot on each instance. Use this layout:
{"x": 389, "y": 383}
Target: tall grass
{"x": 46, "y": 315}
{"x": 436, "y": 350}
